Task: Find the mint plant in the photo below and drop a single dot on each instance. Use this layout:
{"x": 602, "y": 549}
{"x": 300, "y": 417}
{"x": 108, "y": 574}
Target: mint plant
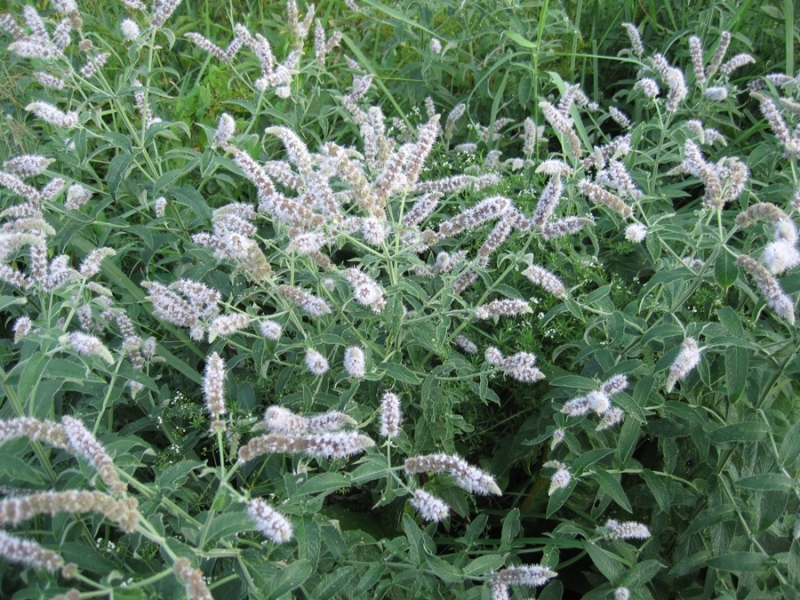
{"x": 342, "y": 340}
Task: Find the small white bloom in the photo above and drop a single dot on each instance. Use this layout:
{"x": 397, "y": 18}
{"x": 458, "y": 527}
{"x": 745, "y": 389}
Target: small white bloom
{"x": 636, "y": 233}
{"x": 780, "y": 256}
{"x": 610, "y": 418}
{"x": 130, "y": 30}
{"x": 716, "y": 93}
{"x": 316, "y": 363}
{"x": 558, "y": 437}
{"x": 160, "y": 206}
{"x": 560, "y": 479}
{"x": 354, "y": 362}
{"x": 622, "y": 593}
{"x": 599, "y": 401}
{"x": 271, "y": 330}
{"x": 225, "y": 129}
{"x": 436, "y": 46}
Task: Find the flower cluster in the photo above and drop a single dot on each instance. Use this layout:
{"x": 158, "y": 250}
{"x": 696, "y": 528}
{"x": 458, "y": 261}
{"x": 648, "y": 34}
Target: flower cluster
{"x": 269, "y": 521}
{"x": 20, "y": 508}
{"x": 561, "y": 478}
{"x": 70, "y": 435}
{"x": 781, "y": 253}
{"x": 520, "y": 366}
{"x": 27, "y": 552}
{"x": 468, "y": 477}
{"x": 724, "y": 181}
{"x": 528, "y": 576}
{"x": 232, "y": 239}
{"x": 599, "y": 401}
{"x": 502, "y": 308}
{"x": 776, "y": 298}
{"x": 324, "y": 445}
{"x": 627, "y": 530}
{"x": 214, "y": 386}
{"x": 391, "y": 415}
{"x": 185, "y": 302}
{"x": 429, "y": 506}
{"x": 281, "y": 420}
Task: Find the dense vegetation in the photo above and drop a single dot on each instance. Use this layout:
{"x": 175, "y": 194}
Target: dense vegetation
{"x": 431, "y": 300}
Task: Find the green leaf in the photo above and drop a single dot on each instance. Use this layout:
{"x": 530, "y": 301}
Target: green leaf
{"x": 118, "y": 170}
{"x": 6, "y": 301}
{"x": 371, "y": 467}
{"x": 660, "y": 332}
{"x": 690, "y": 564}
{"x": 725, "y": 271}
{"x": 118, "y": 140}
{"x": 325, "y": 483}
{"x": 175, "y": 475}
{"x": 292, "y": 577}
{"x": 709, "y": 517}
{"x": 770, "y": 506}
{"x": 444, "y": 570}
{"x": 517, "y": 38}
{"x": 790, "y": 446}
{"x": 575, "y": 381}
{"x": 552, "y": 591}
{"x": 684, "y": 411}
{"x": 573, "y": 307}
{"x": 740, "y": 562}
{"x": 511, "y": 527}
{"x": 371, "y": 577}
{"x": 475, "y": 530}
{"x": 765, "y": 482}
{"x": 86, "y": 557}
{"x": 306, "y": 532}
{"x": 334, "y": 582}
{"x": 736, "y": 363}
{"x": 12, "y": 467}
{"x": 731, "y": 321}
{"x": 653, "y": 244}
{"x": 612, "y": 487}
{"x": 227, "y": 524}
{"x": 602, "y": 559}
{"x": 642, "y": 573}
{"x": 793, "y": 560}
{"x": 739, "y": 432}
{"x": 658, "y": 488}
{"x": 483, "y": 565}
{"x": 589, "y": 458}
{"x": 29, "y": 379}
{"x": 416, "y": 543}
{"x": 400, "y": 372}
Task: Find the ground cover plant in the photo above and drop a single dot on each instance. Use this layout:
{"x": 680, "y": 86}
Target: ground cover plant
{"x": 370, "y": 301}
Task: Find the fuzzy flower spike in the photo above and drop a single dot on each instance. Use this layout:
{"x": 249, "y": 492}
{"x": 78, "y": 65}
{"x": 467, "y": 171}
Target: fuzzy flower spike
{"x": 688, "y": 358}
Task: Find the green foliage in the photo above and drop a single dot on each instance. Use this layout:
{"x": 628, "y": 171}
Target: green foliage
{"x": 235, "y": 236}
